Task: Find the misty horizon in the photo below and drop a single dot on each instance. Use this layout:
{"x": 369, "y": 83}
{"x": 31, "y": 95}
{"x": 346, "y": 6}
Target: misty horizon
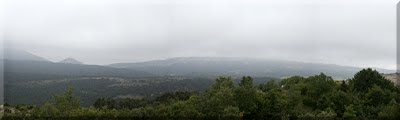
{"x": 207, "y": 58}
{"x": 348, "y": 33}
{"x": 199, "y": 59}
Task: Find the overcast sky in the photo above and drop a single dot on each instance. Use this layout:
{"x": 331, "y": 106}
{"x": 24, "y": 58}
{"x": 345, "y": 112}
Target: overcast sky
{"x": 345, "y": 32}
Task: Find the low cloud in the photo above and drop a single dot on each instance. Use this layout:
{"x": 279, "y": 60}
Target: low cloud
{"x": 344, "y": 32}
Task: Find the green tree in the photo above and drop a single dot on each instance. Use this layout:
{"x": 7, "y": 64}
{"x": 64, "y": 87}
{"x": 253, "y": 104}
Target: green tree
{"x": 220, "y": 96}
{"x": 291, "y": 82}
{"x": 316, "y": 87}
{"x": 349, "y": 112}
{"x": 366, "y": 78}
{"x": 67, "y": 101}
{"x": 390, "y": 111}
{"x": 377, "y": 96}
{"x": 47, "y": 110}
{"x": 269, "y": 86}
{"x": 273, "y": 105}
{"x": 336, "y": 100}
{"x": 105, "y": 103}
{"x": 343, "y": 86}
{"x": 179, "y": 110}
{"x": 245, "y": 97}
{"x": 327, "y": 114}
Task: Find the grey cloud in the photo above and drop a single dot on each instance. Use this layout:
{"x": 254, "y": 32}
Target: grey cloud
{"x": 345, "y": 32}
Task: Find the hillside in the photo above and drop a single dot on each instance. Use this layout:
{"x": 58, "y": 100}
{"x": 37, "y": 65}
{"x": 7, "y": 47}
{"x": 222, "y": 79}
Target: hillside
{"x": 50, "y": 68}
{"x": 35, "y": 81}
{"x": 70, "y": 61}
{"x": 214, "y": 66}
{"x": 16, "y": 54}
{"x": 367, "y": 96}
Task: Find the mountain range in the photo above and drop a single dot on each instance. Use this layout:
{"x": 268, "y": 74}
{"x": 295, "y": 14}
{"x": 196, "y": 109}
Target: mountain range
{"x": 217, "y": 66}
{"x": 16, "y": 54}
{"x": 32, "y": 79}
{"x": 22, "y": 61}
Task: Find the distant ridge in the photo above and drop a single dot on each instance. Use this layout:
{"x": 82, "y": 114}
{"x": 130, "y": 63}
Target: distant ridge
{"x": 70, "y": 61}
{"x": 227, "y": 66}
{"x": 42, "y": 68}
{"x": 16, "y": 54}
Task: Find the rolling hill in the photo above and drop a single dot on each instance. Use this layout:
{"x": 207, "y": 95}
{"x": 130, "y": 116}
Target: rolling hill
{"x": 61, "y": 69}
{"x": 217, "y": 66}
{"x": 16, "y": 54}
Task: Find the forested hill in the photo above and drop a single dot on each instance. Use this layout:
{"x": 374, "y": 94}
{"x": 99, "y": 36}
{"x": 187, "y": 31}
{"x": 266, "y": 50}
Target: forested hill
{"x": 368, "y": 95}
{"x": 44, "y": 68}
{"x": 217, "y": 66}
{"x": 22, "y": 62}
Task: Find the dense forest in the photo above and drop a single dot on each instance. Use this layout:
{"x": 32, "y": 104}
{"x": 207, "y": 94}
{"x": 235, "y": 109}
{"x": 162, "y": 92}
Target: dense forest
{"x": 368, "y": 95}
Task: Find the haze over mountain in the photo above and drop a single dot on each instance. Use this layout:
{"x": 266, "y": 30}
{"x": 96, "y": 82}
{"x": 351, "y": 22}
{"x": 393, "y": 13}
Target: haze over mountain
{"x": 70, "y": 61}
{"x": 29, "y": 77}
{"x": 217, "y": 66}
{"x": 20, "y": 62}
{"x": 49, "y": 68}
{"x": 108, "y": 31}
{"x": 16, "y": 54}
{"x": 180, "y": 66}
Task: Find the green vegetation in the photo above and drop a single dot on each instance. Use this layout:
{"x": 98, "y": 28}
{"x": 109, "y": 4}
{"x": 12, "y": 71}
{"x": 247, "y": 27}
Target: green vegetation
{"x": 367, "y": 96}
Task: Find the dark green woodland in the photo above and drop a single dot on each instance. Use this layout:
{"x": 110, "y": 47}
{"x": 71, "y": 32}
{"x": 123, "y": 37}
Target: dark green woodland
{"x": 368, "y": 95}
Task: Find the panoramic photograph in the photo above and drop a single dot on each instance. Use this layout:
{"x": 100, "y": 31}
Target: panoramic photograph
{"x": 199, "y": 59}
